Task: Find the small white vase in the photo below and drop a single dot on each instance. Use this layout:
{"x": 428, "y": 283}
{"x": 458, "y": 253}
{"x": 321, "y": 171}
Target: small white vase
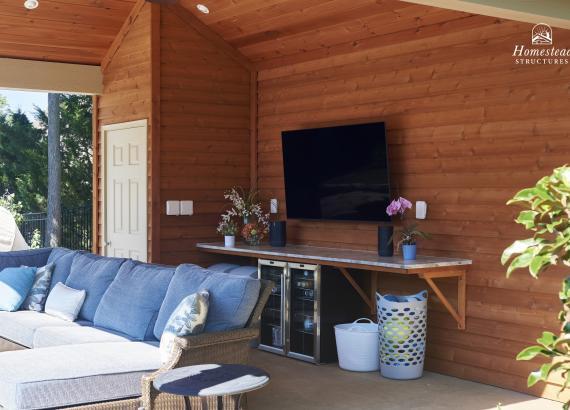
{"x": 230, "y": 241}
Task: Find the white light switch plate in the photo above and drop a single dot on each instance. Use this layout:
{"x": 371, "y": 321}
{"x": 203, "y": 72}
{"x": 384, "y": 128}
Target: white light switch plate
{"x": 186, "y": 207}
{"x": 173, "y": 208}
{"x": 421, "y": 209}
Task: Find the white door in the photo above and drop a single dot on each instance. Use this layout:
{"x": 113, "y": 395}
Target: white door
{"x": 125, "y": 192}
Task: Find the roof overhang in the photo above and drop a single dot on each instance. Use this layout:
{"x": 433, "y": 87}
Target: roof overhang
{"x": 555, "y": 13}
{"x": 50, "y": 77}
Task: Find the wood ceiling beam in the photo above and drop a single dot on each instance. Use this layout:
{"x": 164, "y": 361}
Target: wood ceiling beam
{"x": 193, "y": 21}
{"x": 108, "y": 57}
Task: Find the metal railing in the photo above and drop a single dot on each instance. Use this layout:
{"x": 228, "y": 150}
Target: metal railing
{"x": 76, "y": 227}
{"x": 32, "y": 222}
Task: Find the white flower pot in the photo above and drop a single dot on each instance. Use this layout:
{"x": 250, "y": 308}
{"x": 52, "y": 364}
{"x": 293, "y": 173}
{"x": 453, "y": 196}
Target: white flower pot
{"x": 230, "y": 241}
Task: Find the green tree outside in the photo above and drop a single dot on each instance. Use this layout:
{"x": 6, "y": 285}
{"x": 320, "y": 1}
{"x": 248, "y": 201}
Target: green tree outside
{"x": 23, "y": 154}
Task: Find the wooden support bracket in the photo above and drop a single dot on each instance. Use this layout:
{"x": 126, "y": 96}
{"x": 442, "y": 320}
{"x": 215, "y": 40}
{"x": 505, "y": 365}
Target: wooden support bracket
{"x": 370, "y": 302}
{"x": 459, "y": 313}
{"x": 429, "y": 276}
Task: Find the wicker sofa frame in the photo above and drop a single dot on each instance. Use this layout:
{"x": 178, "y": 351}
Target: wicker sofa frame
{"x": 220, "y": 347}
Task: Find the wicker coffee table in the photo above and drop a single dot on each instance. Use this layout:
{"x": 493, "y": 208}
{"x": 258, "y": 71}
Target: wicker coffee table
{"x": 212, "y": 380}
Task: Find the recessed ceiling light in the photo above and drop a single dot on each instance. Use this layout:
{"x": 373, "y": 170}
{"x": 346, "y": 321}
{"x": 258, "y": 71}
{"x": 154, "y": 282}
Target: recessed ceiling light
{"x": 31, "y": 4}
{"x": 203, "y": 9}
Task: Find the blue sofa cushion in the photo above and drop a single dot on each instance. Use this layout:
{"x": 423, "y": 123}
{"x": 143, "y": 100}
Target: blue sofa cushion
{"x": 235, "y": 269}
{"x": 31, "y": 257}
{"x": 250, "y": 271}
{"x": 232, "y": 298}
{"x": 15, "y": 284}
{"x": 61, "y": 259}
{"x": 222, "y": 267}
{"x": 132, "y": 302}
{"x": 93, "y": 274}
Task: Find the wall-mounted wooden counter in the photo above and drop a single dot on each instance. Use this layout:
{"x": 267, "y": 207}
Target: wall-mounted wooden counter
{"x": 425, "y": 267}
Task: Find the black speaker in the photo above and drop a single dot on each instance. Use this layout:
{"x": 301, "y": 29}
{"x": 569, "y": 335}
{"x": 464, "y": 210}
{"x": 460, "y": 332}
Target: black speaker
{"x": 385, "y": 241}
{"x": 278, "y": 233}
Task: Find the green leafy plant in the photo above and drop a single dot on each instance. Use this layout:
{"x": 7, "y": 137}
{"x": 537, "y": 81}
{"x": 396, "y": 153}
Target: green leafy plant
{"x": 547, "y": 214}
{"x": 409, "y": 234}
{"x": 8, "y": 201}
{"x": 36, "y": 241}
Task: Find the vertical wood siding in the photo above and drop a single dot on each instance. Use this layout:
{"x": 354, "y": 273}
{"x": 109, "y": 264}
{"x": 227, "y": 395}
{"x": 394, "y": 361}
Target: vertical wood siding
{"x": 127, "y": 94}
{"x": 204, "y": 135}
{"x": 466, "y": 129}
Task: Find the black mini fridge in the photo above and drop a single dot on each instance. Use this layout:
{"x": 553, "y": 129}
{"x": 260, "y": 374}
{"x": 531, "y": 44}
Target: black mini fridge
{"x": 305, "y": 304}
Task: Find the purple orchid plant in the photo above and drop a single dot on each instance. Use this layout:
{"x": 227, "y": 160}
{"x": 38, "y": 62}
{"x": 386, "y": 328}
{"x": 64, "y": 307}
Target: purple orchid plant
{"x": 398, "y": 207}
{"x": 409, "y": 232}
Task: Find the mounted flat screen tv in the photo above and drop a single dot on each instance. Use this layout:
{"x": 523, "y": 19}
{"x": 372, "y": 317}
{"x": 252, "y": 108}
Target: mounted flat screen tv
{"x": 337, "y": 173}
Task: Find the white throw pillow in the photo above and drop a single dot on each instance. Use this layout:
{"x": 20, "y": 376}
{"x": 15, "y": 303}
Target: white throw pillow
{"x": 189, "y": 318}
{"x": 64, "y": 302}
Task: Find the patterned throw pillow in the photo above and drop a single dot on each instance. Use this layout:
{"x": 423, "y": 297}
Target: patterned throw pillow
{"x": 189, "y": 318}
{"x": 37, "y": 297}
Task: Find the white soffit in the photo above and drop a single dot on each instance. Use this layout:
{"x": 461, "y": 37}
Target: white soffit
{"x": 556, "y": 13}
{"x": 45, "y": 76}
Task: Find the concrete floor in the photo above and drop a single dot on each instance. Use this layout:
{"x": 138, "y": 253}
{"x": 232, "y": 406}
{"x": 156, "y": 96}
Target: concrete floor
{"x": 298, "y": 386}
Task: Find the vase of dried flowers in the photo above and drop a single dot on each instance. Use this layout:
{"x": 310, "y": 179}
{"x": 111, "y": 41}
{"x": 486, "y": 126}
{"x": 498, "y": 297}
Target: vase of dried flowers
{"x": 245, "y": 206}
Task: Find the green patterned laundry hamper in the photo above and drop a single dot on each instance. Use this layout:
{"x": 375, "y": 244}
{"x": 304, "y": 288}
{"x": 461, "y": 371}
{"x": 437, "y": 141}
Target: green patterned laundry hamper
{"x": 402, "y": 322}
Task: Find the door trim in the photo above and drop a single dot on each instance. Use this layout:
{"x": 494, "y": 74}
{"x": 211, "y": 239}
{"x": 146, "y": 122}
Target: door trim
{"x": 103, "y": 169}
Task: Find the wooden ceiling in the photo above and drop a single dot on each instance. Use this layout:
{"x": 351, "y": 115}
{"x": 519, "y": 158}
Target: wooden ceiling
{"x": 274, "y": 32}
{"x": 268, "y": 32}
{"x": 69, "y": 31}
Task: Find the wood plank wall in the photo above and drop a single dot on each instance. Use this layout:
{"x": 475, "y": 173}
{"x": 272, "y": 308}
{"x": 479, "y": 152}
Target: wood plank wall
{"x": 466, "y": 129}
{"x": 127, "y": 93}
{"x": 204, "y": 146}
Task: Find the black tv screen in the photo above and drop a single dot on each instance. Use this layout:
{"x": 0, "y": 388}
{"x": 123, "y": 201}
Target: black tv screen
{"x": 337, "y": 173}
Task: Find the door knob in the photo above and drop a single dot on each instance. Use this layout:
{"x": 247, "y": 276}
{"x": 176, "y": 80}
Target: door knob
{"x": 107, "y": 243}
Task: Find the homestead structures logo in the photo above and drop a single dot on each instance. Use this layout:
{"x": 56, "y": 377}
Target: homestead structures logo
{"x": 541, "y": 35}
{"x": 540, "y": 53}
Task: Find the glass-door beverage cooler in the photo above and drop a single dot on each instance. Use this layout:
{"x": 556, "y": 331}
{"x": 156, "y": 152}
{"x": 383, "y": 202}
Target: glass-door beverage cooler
{"x": 273, "y": 316}
{"x": 305, "y": 304}
{"x": 290, "y": 320}
{"x": 303, "y": 330}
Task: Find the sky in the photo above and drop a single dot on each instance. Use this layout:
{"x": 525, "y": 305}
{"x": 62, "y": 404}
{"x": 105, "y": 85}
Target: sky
{"x": 25, "y": 100}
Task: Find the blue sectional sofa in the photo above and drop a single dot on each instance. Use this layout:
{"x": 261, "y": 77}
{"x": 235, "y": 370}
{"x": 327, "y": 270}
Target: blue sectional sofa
{"x": 46, "y": 362}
